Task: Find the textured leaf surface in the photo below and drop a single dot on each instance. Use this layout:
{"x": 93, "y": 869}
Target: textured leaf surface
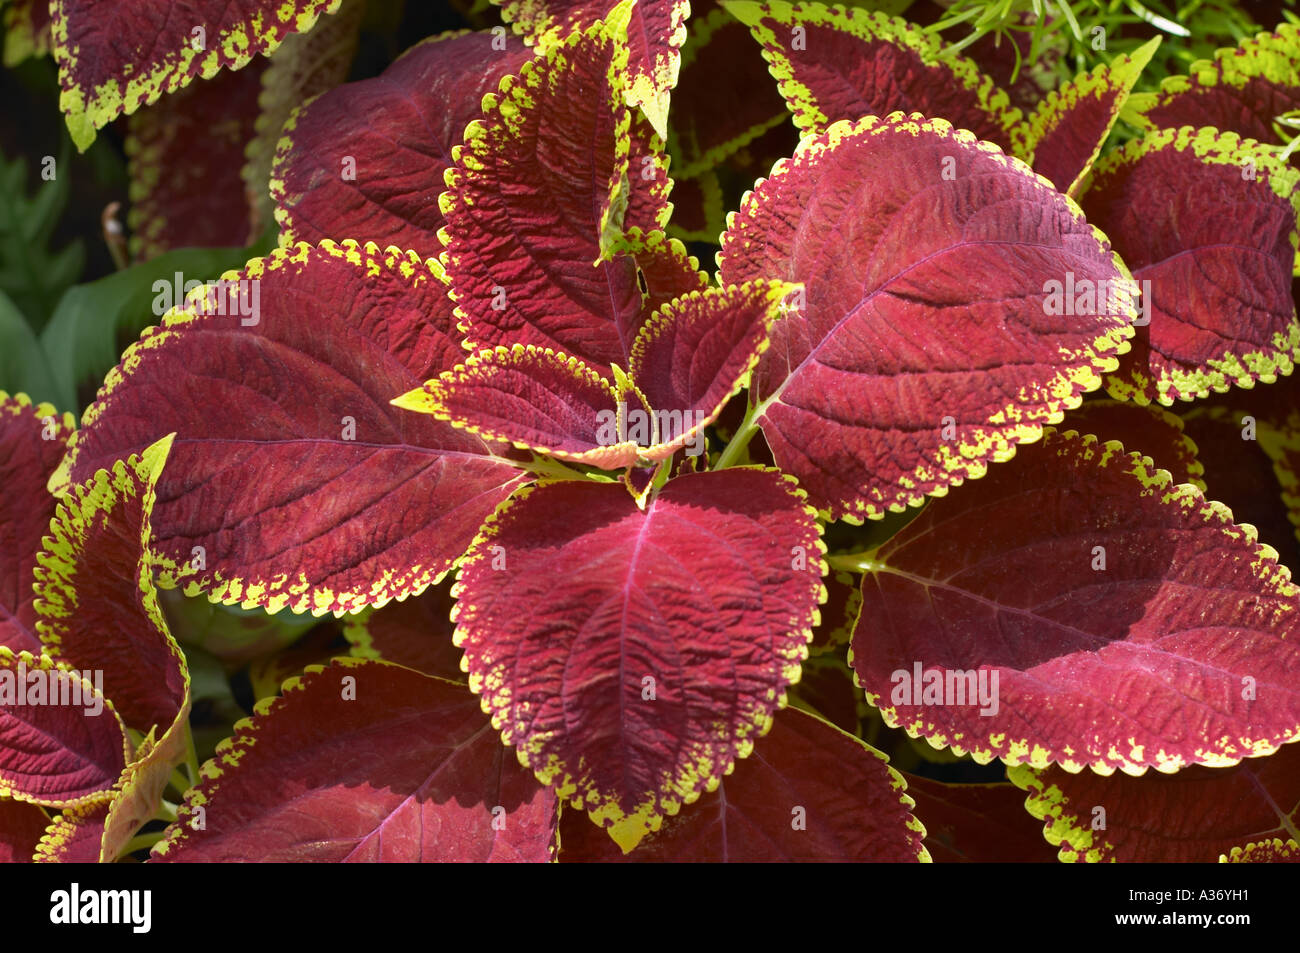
{"x": 977, "y": 823}
{"x": 21, "y": 827}
{"x": 809, "y": 792}
{"x": 115, "y": 56}
{"x": 74, "y": 837}
{"x": 536, "y": 197}
{"x": 1210, "y": 221}
{"x": 1239, "y": 474}
{"x": 924, "y": 350}
{"x": 531, "y": 397}
{"x": 95, "y": 595}
{"x": 1150, "y": 430}
{"x": 725, "y": 99}
{"x": 699, "y": 593}
{"x": 694, "y": 354}
{"x": 1181, "y": 650}
{"x": 854, "y": 63}
{"x": 1274, "y": 851}
{"x": 26, "y": 461}
{"x": 305, "y": 66}
{"x": 416, "y": 632}
{"x": 1243, "y": 89}
{"x": 366, "y": 160}
{"x": 1066, "y": 132}
{"x": 182, "y": 196}
{"x": 364, "y": 762}
{"x": 55, "y": 755}
{"x": 656, "y": 30}
{"x": 290, "y": 469}
{"x": 1195, "y": 815}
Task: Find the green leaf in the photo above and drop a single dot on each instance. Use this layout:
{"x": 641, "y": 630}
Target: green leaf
{"x": 30, "y": 273}
{"x": 82, "y": 339}
{"x": 23, "y": 367}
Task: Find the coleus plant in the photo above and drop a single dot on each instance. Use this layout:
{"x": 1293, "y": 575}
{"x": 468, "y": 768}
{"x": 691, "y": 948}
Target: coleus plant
{"x": 477, "y": 350}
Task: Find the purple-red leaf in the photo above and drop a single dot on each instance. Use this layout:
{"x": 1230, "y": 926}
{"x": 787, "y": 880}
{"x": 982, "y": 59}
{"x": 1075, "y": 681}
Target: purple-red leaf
{"x": 656, "y": 30}
{"x": 929, "y": 343}
{"x": 632, "y": 655}
{"x": 364, "y": 762}
{"x": 809, "y": 792}
{"x": 834, "y": 62}
{"x": 415, "y": 632}
{"x": 1150, "y": 430}
{"x": 1243, "y": 90}
{"x": 59, "y": 754}
{"x": 21, "y": 828}
{"x": 292, "y": 481}
{"x": 1076, "y": 607}
{"x": 536, "y": 202}
{"x": 1066, "y": 132}
{"x": 1207, "y": 223}
{"x": 977, "y": 823}
{"x": 32, "y": 441}
{"x": 1194, "y": 816}
{"x": 184, "y": 197}
{"x": 366, "y": 160}
{"x": 115, "y": 56}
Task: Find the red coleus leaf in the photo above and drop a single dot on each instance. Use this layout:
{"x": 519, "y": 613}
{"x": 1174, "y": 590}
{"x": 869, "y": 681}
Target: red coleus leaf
{"x": 1243, "y": 90}
{"x": 367, "y": 159}
{"x": 1193, "y": 816}
{"x": 687, "y": 361}
{"x": 724, "y": 101}
{"x": 75, "y": 836}
{"x": 58, "y": 755}
{"x": 656, "y": 30}
{"x": 95, "y": 596}
{"x": 415, "y": 632}
{"x": 364, "y": 761}
{"x": 977, "y": 823}
{"x": 115, "y": 56}
{"x": 834, "y": 63}
{"x": 1131, "y": 625}
{"x": 182, "y": 196}
{"x": 1150, "y": 430}
{"x": 657, "y": 642}
{"x": 1238, "y": 472}
{"x": 809, "y": 792}
{"x": 931, "y": 340}
{"x": 533, "y": 398}
{"x": 306, "y": 66}
{"x": 21, "y": 827}
{"x": 1065, "y": 133}
{"x": 536, "y": 202}
{"x": 99, "y": 613}
{"x": 292, "y": 482}
{"x": 1274, "y": 851}
{"x": 1214, "y": 259}
{"x": 32, "y": 441}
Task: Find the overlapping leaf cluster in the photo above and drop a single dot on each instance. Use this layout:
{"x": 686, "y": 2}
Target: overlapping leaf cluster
{"x": 480, "y": 350}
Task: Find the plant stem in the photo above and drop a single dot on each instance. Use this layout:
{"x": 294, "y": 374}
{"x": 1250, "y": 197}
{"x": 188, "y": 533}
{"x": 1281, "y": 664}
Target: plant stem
{"x": 855, "y": 562}
{"x": 734, "y": 450}
{"x": 191, "y": 758}
{"x": 140, "y": 842}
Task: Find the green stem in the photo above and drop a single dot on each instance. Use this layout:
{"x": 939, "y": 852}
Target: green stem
{"x": 733, "y": 451}
{"x": 180, "y": 782}
{"x": 166, "y": 812}
{"x": 855, "y": 562}
{"x": 191, "y": 758}
{"x": 141, "y": 842}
